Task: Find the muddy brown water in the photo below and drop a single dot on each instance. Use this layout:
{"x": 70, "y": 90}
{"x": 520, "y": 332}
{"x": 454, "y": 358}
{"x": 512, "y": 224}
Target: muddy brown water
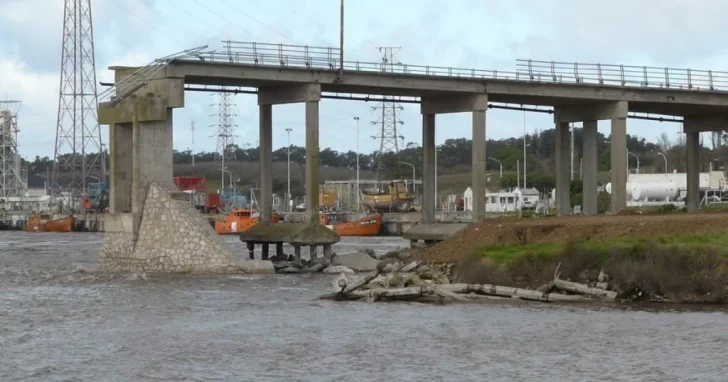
{"x": 61, "y": 320}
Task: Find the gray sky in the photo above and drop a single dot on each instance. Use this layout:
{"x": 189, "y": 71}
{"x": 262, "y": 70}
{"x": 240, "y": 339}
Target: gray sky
{"x": 485, "y": 34}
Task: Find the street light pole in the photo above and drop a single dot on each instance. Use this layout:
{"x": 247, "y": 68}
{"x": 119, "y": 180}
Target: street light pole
{"x": 288, "y": 196}
{"x": 638, "y": 161}
{"x": 500, "y": 164}
{"x": 665, "y": 158}
{"x": 524, "y": 150}
{"x": 413, "y": 173}
{"x": 358, "y": 189}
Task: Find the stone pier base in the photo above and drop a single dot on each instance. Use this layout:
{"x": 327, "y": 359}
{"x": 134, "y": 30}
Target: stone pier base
{"x": 169, "y": 236}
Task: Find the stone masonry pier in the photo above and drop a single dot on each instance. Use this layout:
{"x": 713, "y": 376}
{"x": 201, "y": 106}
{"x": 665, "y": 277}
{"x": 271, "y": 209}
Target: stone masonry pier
{"x": 150, "y": 226}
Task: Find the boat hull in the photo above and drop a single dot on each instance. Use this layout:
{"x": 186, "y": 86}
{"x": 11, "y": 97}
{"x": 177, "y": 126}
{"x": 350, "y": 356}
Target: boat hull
{"x": 367, "y": 226}
{"x": 39, "y": 224}
{"x": 236, "y": 226}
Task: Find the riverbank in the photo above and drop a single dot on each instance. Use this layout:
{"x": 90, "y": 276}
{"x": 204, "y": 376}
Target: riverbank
{"x": 681, "y": 258}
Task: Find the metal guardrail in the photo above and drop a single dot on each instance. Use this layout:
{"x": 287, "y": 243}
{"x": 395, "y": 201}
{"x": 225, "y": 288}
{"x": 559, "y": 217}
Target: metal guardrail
{"x": 138, "y": 79}
{"x": 623, "y": 75}
{"x": 328, "y": 58}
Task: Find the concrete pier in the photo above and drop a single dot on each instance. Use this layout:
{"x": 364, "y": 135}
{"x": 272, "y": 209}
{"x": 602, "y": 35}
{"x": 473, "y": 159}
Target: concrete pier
{"x": 151, "y": 227}
{"x": 589, "y": 114}
{"x": 428, "y": 168}
{"x": 266, "y": 163}
{"x": 590, "y": 168}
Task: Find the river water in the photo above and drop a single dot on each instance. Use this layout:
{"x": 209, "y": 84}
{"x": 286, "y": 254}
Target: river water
{"x": 60, "y": 320}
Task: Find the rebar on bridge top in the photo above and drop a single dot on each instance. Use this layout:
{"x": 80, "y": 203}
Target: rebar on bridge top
{"x": 78, "y": 147}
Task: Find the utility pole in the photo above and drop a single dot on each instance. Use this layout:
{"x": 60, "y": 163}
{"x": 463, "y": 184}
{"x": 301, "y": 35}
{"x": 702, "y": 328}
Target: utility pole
{"x": 341, "y": 42}
{"x": 192, "y": 128}
{"x": 77, "y": 151}
{"x": 358, "y": 188}
{"x": 524, "y": 149}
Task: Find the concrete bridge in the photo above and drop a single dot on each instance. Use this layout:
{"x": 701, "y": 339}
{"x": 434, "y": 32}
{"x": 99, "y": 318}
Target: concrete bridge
{"x": 283, "y": 74}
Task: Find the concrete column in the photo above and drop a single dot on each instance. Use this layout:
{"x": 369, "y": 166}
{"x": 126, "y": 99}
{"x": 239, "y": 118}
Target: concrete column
{"x": 136, "y": 206}
{"x": 428, "y": 168}
{"x": 693, "y": 170}
{"x": 619, "y": 165}
{"x": 120, "y": 169}
{"x": 563, "y": 178}
{"x": 589, "y": 169}
{"x": 266, "y": 163}
{"x": 479, "y": 157}
{"x": 312, "y": 161}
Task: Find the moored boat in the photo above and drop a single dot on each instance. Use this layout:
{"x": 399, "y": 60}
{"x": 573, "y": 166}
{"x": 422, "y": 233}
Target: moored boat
{"x": 45, "y": 223}
{"x": 240, "y": 220}
{"x": 395, "y": 198}
{"x": 344, "y": 225}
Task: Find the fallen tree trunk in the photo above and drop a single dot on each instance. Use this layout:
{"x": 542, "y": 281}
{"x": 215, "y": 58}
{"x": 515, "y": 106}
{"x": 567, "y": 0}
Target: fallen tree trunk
{"x": 584, "y": 289}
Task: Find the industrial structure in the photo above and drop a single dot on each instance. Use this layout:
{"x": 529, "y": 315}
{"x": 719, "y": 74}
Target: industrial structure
{"x": 13, "y": 176}
{"x": 78, "y": 156}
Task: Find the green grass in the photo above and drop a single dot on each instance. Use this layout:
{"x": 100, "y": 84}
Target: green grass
{"x": 508, "y": 253}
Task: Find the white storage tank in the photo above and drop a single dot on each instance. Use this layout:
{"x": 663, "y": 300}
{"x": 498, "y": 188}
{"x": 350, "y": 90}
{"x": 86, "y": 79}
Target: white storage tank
{"x": 653, "y": 191}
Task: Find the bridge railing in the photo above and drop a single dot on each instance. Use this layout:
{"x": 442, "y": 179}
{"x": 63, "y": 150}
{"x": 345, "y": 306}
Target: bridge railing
{"x": 328, "y": 58}
{"x": 623, "y": 75}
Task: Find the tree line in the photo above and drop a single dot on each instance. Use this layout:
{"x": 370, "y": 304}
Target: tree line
{"x": 454, "y": 156}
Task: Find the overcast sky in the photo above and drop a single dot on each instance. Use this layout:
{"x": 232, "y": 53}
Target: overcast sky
{"x": 484, "y": 34}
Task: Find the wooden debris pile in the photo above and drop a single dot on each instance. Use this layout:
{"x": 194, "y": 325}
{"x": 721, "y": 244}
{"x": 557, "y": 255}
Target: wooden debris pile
{"x": 419, "y": 282}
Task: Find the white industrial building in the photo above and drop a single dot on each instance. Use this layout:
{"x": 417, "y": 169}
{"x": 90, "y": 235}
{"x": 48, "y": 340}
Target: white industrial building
{"x": 504, "y": 200}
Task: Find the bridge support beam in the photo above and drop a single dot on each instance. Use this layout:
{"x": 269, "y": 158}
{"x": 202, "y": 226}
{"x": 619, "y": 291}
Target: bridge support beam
{"x": 692, "y": 126}
{"x": 478, "y": 105}
{"x": 429, "y": 148}
{"x": 590, "y": 114}
{"x": 563, "y": 178}
{"x": 590, "y": 168}
{"x": 266, "y": 163}
{"x": 310, "y": 94}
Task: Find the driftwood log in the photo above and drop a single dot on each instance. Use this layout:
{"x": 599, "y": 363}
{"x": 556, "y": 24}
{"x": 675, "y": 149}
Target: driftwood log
{"x": 584, "y": 289}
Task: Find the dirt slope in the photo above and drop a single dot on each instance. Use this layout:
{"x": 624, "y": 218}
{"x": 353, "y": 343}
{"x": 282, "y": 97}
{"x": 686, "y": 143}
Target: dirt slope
{"x": 558, "y": 229}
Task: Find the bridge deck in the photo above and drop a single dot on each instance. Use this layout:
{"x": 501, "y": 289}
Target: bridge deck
{"x": 648, "y": 90}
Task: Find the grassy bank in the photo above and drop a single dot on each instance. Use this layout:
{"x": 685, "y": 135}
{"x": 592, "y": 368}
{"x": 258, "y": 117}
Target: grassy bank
{"x": 678, "y": 268}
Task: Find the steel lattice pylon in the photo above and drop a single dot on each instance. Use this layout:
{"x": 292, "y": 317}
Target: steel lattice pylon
{"x": 12, "y": 182}
{"x": 225, "y": 125}
{"x": 78, "y": 151}
{"x": 387, "y": 111}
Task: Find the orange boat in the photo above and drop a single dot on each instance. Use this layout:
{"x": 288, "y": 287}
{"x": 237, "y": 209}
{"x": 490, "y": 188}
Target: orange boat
{"x": 240, "y": 220}
{"x": 44, "y": 223}
{"x": 369, "y": 225}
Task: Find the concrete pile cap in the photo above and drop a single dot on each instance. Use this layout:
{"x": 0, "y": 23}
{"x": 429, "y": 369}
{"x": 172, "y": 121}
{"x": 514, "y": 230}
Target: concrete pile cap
{"x": 440, "y": 231}
{"x": 292, "y": 233}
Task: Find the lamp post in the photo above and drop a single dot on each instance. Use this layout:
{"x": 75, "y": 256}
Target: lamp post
{"x": 665, "y": 158}
{"x": 413, "y": 174}
{"x": 638, "y": 161}
{"x": 501, "y": 166}
{"x": 358, "y": 189}
{"x": 524, "y": 149}
{"x": 288, "y": 196}
{"x": 225, "y": 170}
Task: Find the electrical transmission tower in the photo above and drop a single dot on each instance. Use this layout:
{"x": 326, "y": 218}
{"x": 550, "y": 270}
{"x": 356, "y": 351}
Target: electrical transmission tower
{"x": 78, "y": 151}
{"x": 387, "y": 113}
{"x": 387, "y": 110}
{"x": 225, "y": 131}
{"x": 12, "y": 182}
